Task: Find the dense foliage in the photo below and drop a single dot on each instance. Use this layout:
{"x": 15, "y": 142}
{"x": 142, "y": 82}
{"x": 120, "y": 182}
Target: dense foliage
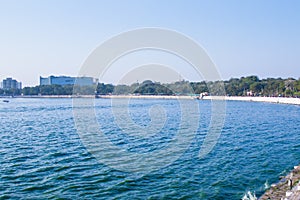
{"x": 265, "y": 87}
{"x": 250, "y": 85}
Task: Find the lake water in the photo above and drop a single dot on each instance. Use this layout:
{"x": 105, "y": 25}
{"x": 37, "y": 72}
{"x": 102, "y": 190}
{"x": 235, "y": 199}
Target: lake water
{"x": 42, "y": 155}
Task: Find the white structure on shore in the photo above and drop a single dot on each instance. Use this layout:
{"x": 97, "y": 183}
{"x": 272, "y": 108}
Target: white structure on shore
{"x": 67, "y": 80}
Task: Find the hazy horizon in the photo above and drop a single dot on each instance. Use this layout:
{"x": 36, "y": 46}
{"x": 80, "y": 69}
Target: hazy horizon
{"x": 128, "y": 80}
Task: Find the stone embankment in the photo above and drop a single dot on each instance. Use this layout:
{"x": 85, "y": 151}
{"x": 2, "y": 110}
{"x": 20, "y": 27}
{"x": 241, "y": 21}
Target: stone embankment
{"x": 288, "y": 188}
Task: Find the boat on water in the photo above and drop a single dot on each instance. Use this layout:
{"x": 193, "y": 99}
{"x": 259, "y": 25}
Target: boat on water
{"x": 5, "y": 101}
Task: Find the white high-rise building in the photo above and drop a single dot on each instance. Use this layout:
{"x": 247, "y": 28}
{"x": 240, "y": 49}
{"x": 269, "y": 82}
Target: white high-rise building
{"x": 66, "y": 80}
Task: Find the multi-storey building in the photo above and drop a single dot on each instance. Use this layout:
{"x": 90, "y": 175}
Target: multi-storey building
{"x": 10, "y": 83}
{"x": 66, "y": 80}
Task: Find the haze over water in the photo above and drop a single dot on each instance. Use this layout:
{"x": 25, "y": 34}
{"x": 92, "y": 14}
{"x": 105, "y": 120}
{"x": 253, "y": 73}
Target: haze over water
{"x": 42, "y": 156}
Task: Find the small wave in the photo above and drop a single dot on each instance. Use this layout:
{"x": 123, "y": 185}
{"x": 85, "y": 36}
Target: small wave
{"x": 266, "y": 185}
{"x": 38, "y": 188}
{"x": 249, "y": 196}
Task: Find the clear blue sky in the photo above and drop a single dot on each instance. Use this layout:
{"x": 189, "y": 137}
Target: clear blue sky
{"x": 242, "y": 37}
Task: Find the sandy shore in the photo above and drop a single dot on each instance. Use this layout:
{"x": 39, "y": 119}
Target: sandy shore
{"x": 283, "y": 100}
{"x": 145, "y": 97}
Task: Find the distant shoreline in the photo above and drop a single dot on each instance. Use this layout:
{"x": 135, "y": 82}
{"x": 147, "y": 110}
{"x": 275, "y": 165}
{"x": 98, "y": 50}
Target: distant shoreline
{"x": 281, "y": 100}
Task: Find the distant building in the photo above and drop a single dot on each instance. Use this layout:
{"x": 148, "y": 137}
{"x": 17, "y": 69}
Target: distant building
{"x": 10, "y": 83}
{"x": 66, "y": 80}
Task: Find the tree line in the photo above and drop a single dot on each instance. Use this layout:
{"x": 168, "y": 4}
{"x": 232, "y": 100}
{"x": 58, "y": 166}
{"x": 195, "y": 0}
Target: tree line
{"x": 244, "y": 86}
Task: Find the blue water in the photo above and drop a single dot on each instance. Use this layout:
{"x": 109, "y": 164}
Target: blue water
{"x": 42, "y": 156}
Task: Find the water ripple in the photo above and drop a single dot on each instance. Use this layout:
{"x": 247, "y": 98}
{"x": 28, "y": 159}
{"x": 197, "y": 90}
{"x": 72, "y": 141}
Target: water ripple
{"x": 42, "y": 157}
